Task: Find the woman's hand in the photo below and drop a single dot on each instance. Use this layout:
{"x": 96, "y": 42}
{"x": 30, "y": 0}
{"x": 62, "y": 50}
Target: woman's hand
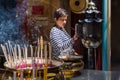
{"x": 75, "y": 53}
{"x": 75, "y": 38}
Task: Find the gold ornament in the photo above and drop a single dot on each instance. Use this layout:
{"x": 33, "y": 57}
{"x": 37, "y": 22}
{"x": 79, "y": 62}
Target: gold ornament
{"x": 78, "y": 6}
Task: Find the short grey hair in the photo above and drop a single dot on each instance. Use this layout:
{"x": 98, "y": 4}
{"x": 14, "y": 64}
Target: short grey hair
{"x": 60, "y": 12}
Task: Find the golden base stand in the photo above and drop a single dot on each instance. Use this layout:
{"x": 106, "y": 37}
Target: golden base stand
{"x": 71, "y": 68}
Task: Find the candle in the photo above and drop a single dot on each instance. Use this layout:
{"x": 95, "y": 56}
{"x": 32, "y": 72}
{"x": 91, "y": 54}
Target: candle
{"x": 10, "y": 47}
{"x": 37, "y": 56}
{"x": 19, "y": 52}
{"x": 14, "y": 75}
{"x": 41, "y": 56}
{"x": 45, "y": 52}
{"x": 38, "y": 48}
{"x": 10, "y": 52}
{"x": 10, "y": 60}
{"x": 50, "y": 50}
{"x": 76, "y": 29}
{"x": 46, "y": 63}
{"x": 33, "y": 69}
{"x": 41, "y": 42}
{"x": 14, "y": 53}
{"x": 38, "y": 52}
{"x": 31, "y": 50}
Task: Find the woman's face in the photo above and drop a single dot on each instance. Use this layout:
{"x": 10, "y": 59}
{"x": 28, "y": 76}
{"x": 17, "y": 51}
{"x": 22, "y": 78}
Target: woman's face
{"x": 61, "y": 21}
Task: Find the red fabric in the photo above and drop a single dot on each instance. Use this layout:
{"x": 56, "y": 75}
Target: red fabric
{"x": 39, "y": 10}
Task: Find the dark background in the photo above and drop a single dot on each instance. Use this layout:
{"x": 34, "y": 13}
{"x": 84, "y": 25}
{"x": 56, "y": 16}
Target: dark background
{"x": 115, "y": 35}
{"x": 115, "y": 31}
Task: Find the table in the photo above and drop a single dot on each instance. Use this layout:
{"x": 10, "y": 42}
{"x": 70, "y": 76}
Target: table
{"x": 97, "y": 75}
{"x": 92, "y": 75}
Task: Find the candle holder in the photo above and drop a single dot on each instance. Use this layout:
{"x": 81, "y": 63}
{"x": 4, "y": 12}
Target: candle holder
{"x": 90, "y": 29}
{"x": 30, "y": 60}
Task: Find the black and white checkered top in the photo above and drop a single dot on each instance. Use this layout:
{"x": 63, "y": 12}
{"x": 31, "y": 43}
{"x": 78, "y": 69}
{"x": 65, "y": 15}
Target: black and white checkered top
{"x": 61, "y": 41}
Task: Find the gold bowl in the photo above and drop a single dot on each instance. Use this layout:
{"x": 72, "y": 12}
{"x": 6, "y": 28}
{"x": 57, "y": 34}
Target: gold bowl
{"x": 71, "y": 57}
